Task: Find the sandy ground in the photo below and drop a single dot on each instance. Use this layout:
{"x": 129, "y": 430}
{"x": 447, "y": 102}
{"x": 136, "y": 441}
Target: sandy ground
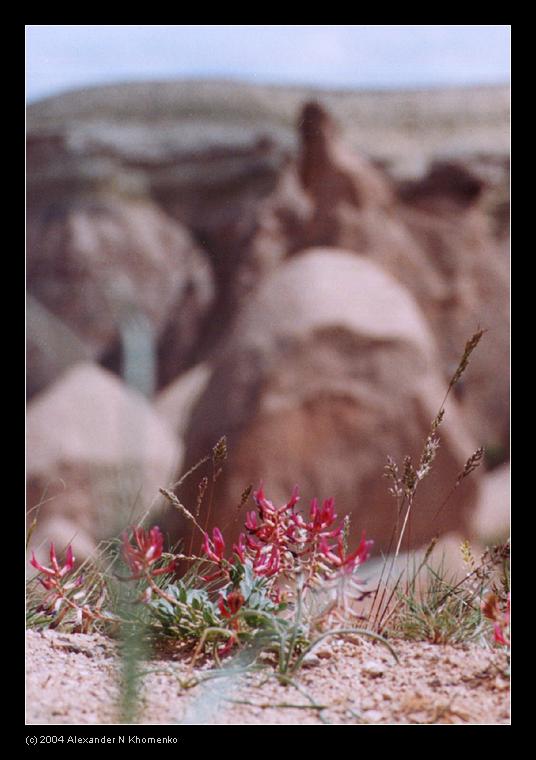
{"x": 73, "y": 679}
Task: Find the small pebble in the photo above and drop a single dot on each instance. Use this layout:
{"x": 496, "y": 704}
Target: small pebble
{"x": 373, "y": 668}
{"x": 310, "y": 660}
{"x": 372, "y": 716}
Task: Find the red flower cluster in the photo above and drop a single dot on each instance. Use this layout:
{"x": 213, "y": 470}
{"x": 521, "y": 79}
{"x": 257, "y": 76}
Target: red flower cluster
{"x": 148, "y": 549}
{"x": 500, "y": 618}
{"x": 347, "y": 562}
{"x": 277, "y": 536}
{"x": 321, "y": 519}
{"x": 54, "y": 580}
{"x": 55, "y": 573}
{"x": 215, "y": 549}
{"x": 278, "y": 544}
{"x": 271, "y": 541}
{"x": 229, "y": 606}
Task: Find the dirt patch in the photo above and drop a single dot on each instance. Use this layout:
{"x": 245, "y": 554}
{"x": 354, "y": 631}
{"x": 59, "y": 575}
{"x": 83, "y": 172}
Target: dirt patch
{"x": 73, "y": 679}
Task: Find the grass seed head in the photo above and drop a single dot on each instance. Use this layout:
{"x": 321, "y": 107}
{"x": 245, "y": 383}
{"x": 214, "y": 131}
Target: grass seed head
{"x": 470, "y": 346}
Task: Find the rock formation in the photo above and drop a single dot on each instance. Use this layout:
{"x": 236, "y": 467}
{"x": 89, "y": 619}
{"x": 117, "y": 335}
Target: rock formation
{"x": 96, "y": 258}
{"x": 191, "y": 210}
{"x": 97, "y": 454}
{"x": 491, "y": 519}
{"x": 435, "y": 236}
{"x": 329, "y": 369}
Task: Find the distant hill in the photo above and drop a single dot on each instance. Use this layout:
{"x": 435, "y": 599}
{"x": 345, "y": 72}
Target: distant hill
{"x": 401, "y": 129}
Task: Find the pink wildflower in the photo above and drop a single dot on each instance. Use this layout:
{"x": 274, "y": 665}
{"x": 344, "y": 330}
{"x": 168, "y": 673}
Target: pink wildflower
{"x": 271, "y": 539}
{"x": 321, "y": 520}
{"x": 214, "y": 549}
{"x": 240, "y": 548}
{"x": 229, "y": 606}
{"x": 337, "y": 557}
{"x": 148, "y": 549}
{"x": 268, "y": 562}
{"x": 55, "y": 573}
{"x": 55, "y": 582}
{"x": 500, "y": 618}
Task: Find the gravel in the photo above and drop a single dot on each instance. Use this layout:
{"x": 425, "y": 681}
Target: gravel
{"x": 74, "y": 679}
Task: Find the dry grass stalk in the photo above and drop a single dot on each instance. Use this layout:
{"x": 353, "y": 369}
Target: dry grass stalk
{"x": 219, "y": 455}
{"x": 201, "y": 490}
{"x": 474, "y": 461}
{"x": 190, "y": 471}
{"x": 170, "y": 496}
{"x": 470, "y": 346}
{"x": 403, "y": 487}
{"x": 246, "y": 493}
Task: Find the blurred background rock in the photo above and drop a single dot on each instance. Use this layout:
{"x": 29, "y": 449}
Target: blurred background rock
{"x": 295, "y": 267}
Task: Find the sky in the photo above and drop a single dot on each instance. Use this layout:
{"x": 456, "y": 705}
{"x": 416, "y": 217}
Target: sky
{"x": 64, "y": 57}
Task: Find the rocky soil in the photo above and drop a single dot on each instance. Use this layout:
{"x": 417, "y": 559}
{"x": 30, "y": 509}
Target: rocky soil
{"x": 73, "y": 679}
